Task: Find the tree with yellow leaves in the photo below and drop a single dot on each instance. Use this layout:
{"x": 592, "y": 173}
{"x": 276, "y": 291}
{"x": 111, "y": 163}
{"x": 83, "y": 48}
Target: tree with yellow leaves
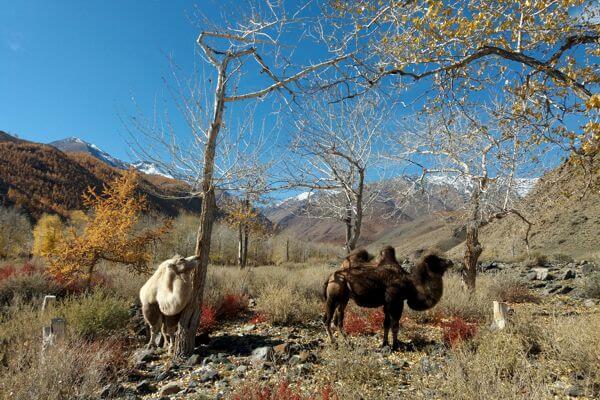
{"x": 110, "y": 232}
{"x": 242, "y": 216}
{"x": 47, "y": 234}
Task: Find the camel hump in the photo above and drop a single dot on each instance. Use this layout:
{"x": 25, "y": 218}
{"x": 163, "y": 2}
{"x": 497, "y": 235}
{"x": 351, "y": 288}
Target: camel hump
{"x": 357, "y": 257}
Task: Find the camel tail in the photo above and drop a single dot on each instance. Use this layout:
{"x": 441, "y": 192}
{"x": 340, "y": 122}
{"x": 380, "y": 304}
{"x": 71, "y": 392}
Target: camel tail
{"x": 325, "y": 289}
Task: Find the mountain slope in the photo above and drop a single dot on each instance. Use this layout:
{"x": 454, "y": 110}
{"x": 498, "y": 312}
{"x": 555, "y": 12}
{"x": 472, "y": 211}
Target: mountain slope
{"x": 565, "y": 221}
{"x": 41, "y": 179}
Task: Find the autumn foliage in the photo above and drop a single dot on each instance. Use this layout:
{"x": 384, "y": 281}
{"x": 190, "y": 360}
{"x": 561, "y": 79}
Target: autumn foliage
{"x": 457, "y": 330}
{"x": 110, "y": 233}
{"x": 281, "y": 391}
{"x": 363, "y": 321}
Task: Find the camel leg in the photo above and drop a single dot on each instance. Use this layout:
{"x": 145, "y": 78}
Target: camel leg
{"x": 396, "y": 314}
{"x": 330, "y": 309}
{"x": 154, "y": 318}
{"x": 169, "y": 329}
{"x": 340, "y": 313}
{"x": 387, "y": 321}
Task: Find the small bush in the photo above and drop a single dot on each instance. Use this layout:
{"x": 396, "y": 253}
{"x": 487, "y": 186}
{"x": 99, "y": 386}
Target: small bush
{"x": 208, "y": 319}
{"x": 283, "y": 304}
{"x": 232, "y": 306}
{"x": 6, "y": 272}
{"x": 457, "y": 330}
{"x": 508, "y": 288}
{"x": 26, "y": 287}
{"x": 363, "y": 321}
{"x": 96, "y": 315}
{"x": 258, "y": 318}
{"x": 281, "y": 391}
{"x": 591, "y": 286}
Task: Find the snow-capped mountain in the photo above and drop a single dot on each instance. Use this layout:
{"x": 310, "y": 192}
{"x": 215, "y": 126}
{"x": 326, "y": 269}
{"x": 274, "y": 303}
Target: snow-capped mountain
{"x": 75, "y": 144}
{"x": 522, "y": 186}
{"x": 150, "y": 168}
{"x": 296, "y": 198}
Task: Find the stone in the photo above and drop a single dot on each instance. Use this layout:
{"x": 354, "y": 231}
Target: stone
{"x": 568, "y": 274}
{"x": 170, "y": 389}
{"x": 589, "y": 303}
{"x": 144, "y": 387}
{"x": 144, "y": 355}
{"x": 295, "y": 360}
{"x": 193, "y": 360}
{"x": 282, "y": 349}
{"x": 208, "y": 375}
{"x": 248, "y": 328}
{"x": 531, "y": 276}
{"x": 542, "y": 274}
{"x": 262, "y": 354}
{"x": 161, "y": 376}
{"x": 587, "y": 269}
{"x": 565, "y": 289}
{"x": 575, "y": 391}
{"x": 241, "y": 370}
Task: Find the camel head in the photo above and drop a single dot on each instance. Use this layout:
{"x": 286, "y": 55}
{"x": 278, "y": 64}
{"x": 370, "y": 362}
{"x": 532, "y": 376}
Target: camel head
{"x": 435, "y": 265}
{"x": 182, "y": 265}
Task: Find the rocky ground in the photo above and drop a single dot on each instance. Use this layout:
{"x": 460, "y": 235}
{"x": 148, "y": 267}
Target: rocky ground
{"x": 244, "y": 352}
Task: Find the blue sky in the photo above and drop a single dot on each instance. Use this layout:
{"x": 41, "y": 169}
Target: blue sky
{"x": 68, "y": 68}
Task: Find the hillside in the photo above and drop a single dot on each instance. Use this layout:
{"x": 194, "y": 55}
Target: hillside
{"x": 565, "y": 221}
{"x": 39, "y": 178}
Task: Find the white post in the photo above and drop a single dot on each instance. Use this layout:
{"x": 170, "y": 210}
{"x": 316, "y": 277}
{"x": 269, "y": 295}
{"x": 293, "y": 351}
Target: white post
{"x": 48, "y": 301}
{"x": 500, "y": 315}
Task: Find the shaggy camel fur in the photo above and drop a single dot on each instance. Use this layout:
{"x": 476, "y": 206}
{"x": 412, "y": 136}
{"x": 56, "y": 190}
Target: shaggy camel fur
{"x": 387, "y": 286}
{"x": 361, "y": 257}
{"x": 165, "y": 295}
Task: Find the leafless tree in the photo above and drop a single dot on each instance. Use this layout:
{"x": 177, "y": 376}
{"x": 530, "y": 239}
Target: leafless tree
{"x": 333, "y": 151}
{"x": 250, "y": 43}
{"x": 488, "y": 158}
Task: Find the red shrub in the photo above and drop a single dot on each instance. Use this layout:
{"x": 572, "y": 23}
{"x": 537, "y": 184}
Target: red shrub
{"x": 6, "y": 272}
{"x": 457, "y": 330}
{"x": 363, "y": 322}
{"x": 29, "y": 268}
{"x": 258, "y": 318}
{"x": 208, "y": 319}
{"x": 282, "y": 391}
{"x": 232, "y": 306}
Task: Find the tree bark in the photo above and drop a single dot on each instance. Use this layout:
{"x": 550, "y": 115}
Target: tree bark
{"x": 190, "y": 316}
{"x": 359, "y": 210}
{"x": 348, "y": 222}
{"x": 473, "y": 247}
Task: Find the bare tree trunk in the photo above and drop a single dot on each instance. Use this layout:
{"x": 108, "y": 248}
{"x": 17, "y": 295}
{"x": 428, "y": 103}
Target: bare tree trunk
{"x": 245, "y": 252}
{"x": 359, "y": 211}
{"x": 240, "y": 260}
{"x": 348, "y": 222}
{"x": 287, "y": 249}
{"x": 190, "y": 316}
{"x": 473, "y": 247}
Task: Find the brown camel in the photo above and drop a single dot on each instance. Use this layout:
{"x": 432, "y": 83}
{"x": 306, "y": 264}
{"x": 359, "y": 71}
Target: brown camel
{"x": 387, "y": 286}
{"x": 361, "y": 257}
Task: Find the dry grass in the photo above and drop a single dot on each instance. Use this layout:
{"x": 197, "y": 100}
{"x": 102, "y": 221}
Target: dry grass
{"x": 69, "y": 370}
{"x": 522, "y": 362}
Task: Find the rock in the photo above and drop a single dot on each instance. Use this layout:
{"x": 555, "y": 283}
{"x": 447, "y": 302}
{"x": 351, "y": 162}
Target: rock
{"x": 143, "y": 356}
{"x": 295, "y": 360}
{"x": 587, "y": 269}
{"x": 144, "y": 387}
{"x": 565, "y": 289}
{"x": 193, "y": 360}
{"x": 208, "y": 375}
{"x": 531, "y": 276}
{"x": 111, "y": 390}
{"x": 262, "y": 354}
{"x": 241, "y": 370}
{"x": 135, "y": 376}
{"x": 161, "y": 376}
{"x": 248, "y": 328}
{"x": 282, "y": 349}
{"x": 589, "y": 303}
{"x": 575, "y": 391}
{"x": 542, "y": 274}
{"x": 170, "y": 389}
{"x": 568, "y": 274}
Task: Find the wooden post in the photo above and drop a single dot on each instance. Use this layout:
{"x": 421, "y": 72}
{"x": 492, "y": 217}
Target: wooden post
{"x": 501, "y": 311}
